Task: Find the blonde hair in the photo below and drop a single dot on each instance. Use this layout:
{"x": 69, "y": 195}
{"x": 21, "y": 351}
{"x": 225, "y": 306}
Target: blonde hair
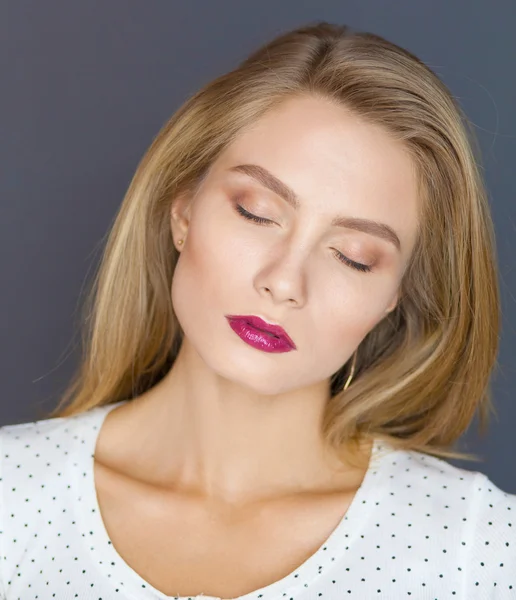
{"x": 423, "y": 372}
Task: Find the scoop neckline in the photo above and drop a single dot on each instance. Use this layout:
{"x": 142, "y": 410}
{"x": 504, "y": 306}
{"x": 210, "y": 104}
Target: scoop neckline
{"x": 123, "y": 577}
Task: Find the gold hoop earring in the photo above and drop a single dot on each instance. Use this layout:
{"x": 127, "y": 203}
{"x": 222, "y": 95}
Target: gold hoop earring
{"x": 352, "y": 371}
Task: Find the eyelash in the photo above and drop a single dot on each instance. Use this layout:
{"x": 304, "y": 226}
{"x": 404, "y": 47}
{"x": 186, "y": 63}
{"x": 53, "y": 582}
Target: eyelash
{"x": 351, "y": 263}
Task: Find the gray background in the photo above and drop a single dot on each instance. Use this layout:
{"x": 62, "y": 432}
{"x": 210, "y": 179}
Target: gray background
{"x": 87, "y": 84}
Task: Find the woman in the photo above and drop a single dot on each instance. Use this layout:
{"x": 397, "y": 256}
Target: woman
{"x": 295, "y": 320}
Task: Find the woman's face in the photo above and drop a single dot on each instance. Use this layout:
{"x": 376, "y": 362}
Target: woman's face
{"x": 289, "y": 270}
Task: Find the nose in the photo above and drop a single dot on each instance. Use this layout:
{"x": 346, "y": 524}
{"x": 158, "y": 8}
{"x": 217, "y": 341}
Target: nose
{"x": 291, "y": 300}
{"x": 283, "y": 277}
{"x": 283, "y": 281}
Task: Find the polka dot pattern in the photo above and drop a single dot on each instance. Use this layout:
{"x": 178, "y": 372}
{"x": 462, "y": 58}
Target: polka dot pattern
{"x": 417, "y": 527}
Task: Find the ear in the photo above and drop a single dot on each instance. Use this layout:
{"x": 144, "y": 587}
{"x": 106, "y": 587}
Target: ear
{"x": 180, "y": 208}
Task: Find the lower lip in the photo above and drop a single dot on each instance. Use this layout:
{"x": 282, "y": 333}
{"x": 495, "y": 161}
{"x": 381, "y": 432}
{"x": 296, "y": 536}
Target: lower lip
{"x": 258, "y": 339}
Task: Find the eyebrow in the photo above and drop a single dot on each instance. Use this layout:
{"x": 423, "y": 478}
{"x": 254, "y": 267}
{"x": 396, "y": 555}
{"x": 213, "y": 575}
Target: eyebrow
{"x": 270, "y": 181}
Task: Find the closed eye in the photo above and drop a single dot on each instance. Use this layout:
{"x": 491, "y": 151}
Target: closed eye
{"x": 251, "y": 217}
{"x": 351, "y": 263}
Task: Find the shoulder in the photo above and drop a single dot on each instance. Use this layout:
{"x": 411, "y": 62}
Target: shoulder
{"x": 418, "y": 472}
{"x": 469, "y": 512}
{"x": 466, "y": 492}
{"x": 30, "y": 452}
{"x": 24, "y": 442}
{"x": 492, "y": 540}
{"x": 427, "y": 480}
{"x": 38, "y": 466}
{"x": 32, "y": 459}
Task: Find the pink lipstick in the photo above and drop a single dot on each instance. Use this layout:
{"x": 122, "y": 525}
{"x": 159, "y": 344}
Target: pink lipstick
{"x": 260, "y": 334}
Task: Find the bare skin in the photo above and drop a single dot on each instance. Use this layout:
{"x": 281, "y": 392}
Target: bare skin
{"x": 185, "y": 545}
{"x": 223, "y": 461}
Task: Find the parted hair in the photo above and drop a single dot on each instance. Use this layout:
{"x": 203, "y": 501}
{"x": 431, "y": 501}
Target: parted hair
{"x": 423, "y": 373}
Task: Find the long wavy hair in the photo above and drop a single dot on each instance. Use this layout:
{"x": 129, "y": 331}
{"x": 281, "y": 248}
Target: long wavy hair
{"x": 422, "y": 374}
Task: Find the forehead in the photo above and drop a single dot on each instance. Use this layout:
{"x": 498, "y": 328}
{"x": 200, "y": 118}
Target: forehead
{"x": 334, "y": 161}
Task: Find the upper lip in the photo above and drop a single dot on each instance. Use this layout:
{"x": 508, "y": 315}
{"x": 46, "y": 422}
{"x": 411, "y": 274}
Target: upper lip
{"x": 262, "y": 325}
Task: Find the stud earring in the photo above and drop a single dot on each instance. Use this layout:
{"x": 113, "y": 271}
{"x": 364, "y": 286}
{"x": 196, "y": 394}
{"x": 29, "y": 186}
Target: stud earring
{"x": 180, "y": 242}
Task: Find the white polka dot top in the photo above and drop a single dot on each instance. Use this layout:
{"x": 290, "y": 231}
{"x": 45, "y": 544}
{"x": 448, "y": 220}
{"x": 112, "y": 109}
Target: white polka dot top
{"x": 417, "y": 526}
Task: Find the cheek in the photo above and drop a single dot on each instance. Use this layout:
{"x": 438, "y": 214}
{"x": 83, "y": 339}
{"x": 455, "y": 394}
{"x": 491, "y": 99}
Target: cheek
{"x": 209, "y": 273}
{"x": 344, "y": 317}
{"x": 195, "y": 276}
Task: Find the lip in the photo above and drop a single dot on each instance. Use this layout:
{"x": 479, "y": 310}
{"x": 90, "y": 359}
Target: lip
{"x": 260, "y": 334}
